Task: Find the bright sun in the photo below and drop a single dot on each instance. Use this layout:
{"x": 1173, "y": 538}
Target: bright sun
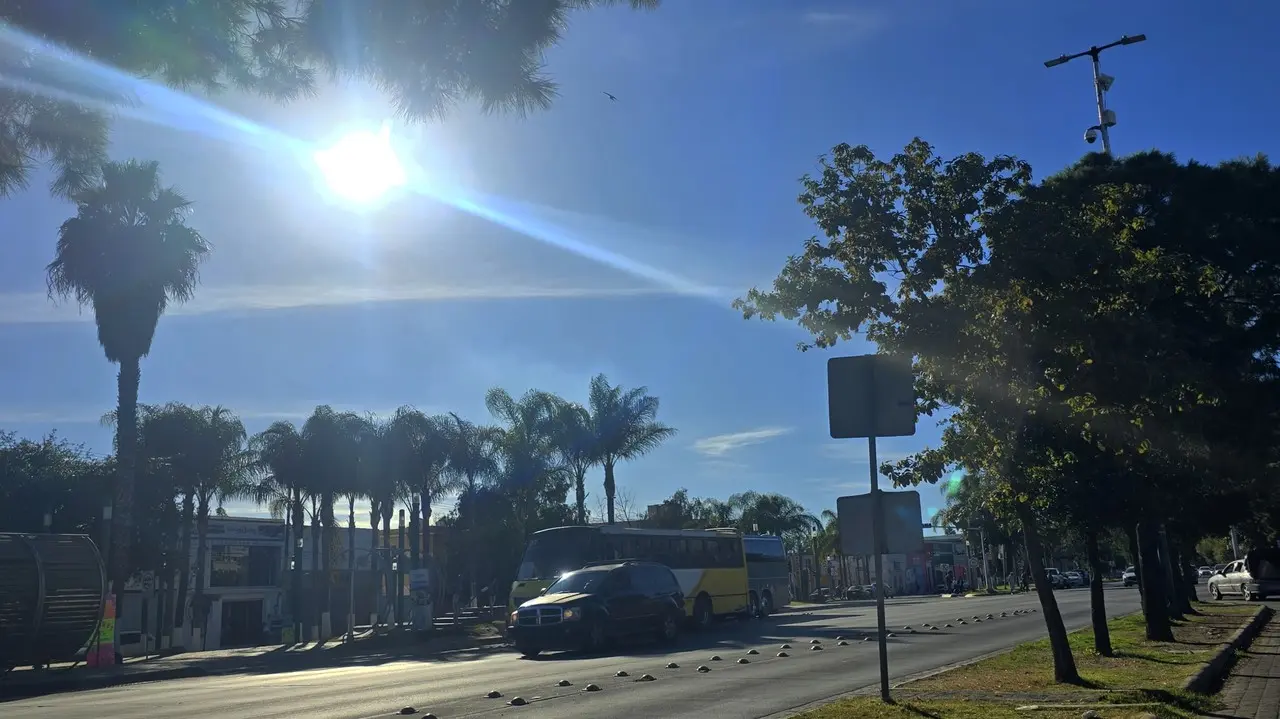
{"x": 361, "y": 166}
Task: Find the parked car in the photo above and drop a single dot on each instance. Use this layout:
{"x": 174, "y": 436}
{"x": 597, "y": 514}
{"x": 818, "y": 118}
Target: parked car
{"x": 1257, "y": 576}
{"x": 1074, "y": 579}
{"x": 1056, "y": 579}
{"x": 588, "y": 608}
{"x": 1130, "y": 576}
{"x": 1204, "y": 572}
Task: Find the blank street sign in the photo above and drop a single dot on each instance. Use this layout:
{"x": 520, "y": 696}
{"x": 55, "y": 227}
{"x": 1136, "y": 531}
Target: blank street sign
{"x": 903, "y": 533}
{"x": 871, "y": 396}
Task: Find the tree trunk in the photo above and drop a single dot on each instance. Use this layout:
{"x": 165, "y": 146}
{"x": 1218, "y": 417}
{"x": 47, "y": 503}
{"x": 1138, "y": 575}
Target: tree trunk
{"x": 426, "y": 525}
{"x": 1064, "y": 664}
{"x": 471, "y": 539}
{"x": 1180, "y": 604}
{"x": 184, "y": 562}
{"x": 300, "y": 528}
{"x": 313, "y": 587}
{"x": 126, "y": 470}
{"x": 326, "y": 553}
{"x": 580, "y": 489}
{"x": 414, "y": 534}
{"x": 610, "y": 489}
{"x": 351, "y": 566}
{"x": 1097, "y": 602}
{"x": 199, "y": 612}
{"x": 1131, "y": 532}
{"x": 1155, "y": 607}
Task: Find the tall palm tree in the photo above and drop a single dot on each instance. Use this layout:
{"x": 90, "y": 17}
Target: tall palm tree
{"x": 526, "y": 448}
{"x": 127, "y": 253}
{"x": 209, "y": 447}
{"x": 472, "y": 460}
{"x": 160, "y": 430}
{"x": 331, "y": 450}
{"x": 626, "y": 427}
{"x": 576, "y": 443}
{"x": 283, "y": 488}
{"x": 424, "y": 444}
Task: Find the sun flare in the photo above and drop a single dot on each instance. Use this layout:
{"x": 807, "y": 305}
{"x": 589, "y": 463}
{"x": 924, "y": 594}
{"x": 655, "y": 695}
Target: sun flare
{"x": 361, "y": 166}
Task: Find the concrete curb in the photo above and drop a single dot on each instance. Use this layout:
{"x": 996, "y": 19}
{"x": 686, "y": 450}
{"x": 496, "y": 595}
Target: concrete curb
{"x": 1207, "y": 677}
{"x": 73, "y": 683}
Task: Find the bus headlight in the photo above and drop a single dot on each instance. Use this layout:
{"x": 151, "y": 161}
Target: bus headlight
{"x": 572, "y": 614}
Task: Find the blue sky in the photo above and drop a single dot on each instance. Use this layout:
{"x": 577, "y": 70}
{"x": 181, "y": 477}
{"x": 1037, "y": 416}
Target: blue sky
{"x": 637, "y": 221}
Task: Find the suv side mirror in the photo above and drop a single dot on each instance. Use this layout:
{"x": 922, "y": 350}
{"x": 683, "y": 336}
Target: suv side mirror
{"x": 543, "y": 592}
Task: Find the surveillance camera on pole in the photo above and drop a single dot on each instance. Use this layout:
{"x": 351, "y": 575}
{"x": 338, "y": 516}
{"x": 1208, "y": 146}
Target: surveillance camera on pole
{"x": 1101, "y": 85}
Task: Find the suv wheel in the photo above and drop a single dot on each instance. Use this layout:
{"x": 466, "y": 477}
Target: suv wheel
{"x": 528, "y": 651}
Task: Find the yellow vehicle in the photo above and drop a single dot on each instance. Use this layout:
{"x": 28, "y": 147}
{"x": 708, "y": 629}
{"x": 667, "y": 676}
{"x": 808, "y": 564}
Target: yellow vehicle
{"x": 709, "y": 564}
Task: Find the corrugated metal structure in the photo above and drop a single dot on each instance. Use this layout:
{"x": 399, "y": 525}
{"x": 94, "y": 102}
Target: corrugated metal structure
{"x": 52, "y": 589}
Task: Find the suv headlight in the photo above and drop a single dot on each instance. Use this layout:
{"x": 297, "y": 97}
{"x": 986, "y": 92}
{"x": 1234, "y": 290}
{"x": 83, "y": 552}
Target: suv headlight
{"x": 514, "y": 616}
{"x": 572, "y": 614}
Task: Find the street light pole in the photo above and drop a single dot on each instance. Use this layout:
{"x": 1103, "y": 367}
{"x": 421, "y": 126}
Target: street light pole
{"x": 1101, "y": 84}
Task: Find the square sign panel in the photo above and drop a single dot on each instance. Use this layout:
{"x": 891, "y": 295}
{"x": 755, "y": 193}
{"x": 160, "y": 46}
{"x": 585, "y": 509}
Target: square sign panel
{"x": 900, "y": 516}
{"x": 871, "y": 396}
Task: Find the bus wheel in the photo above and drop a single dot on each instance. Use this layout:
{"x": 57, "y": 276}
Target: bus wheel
{"x": 753, "y": 605}
{"x": 766, "y": 604}
{"x": 702, "y": 613}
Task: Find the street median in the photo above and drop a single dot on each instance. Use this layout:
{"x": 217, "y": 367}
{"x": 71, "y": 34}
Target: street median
{"x": 1141, "y": 678}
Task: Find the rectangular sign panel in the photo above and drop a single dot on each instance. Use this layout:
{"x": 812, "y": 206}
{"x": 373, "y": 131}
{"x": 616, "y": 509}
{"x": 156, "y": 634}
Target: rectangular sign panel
{"x": 900, "y": 517}
{"x": 871, "y": 396}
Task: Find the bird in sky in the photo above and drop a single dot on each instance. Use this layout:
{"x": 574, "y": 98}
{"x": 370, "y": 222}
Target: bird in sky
{"x": 610, "y": 96}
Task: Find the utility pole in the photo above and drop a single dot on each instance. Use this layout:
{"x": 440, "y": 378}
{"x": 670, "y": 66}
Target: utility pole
{"x": 1101, "y": 84}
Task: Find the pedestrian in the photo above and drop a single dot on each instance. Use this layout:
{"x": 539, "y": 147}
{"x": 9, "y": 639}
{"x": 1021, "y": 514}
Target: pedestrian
{"x": 1010, "y": 580}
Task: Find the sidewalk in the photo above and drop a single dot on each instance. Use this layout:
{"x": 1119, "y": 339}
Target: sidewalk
{"x": 25, "y": 682}
{"x": 1252, "y": 690}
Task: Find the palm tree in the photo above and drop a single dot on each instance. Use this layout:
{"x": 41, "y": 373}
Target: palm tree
{"x": 472, "y": 460}
{"x": 576, "y": 443}
{"x": 526, "y": 448}
{"x": 283, "y": 488}
{"x": 330, "y": 441}
{"x": 626, "y": 427}
{"x": 423, "y": 445}
{"x": 208, "y": 447}
{"x": 127, "y": 253}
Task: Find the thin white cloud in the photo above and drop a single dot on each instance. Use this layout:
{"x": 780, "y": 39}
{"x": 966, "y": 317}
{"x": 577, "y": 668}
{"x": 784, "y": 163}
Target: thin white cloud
{"x": 851, "y": 24}
{"x": 722, "y": 444}
{"x": 93, "y": 415}
{"x": 30, "y": 307}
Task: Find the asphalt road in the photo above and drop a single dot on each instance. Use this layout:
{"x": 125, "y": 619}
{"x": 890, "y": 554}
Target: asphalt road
{"x": 455, "y": 686}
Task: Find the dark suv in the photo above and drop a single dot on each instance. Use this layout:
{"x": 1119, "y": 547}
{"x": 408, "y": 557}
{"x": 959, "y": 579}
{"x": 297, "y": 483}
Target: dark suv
{"x": 587, "y": 608}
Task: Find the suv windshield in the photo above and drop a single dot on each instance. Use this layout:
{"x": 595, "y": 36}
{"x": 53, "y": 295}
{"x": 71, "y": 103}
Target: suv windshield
{"x": 579, "y": 582}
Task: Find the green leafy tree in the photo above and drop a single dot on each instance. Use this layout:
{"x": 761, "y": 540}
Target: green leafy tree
{"x": 127, "y": 254}
{"x": 626, "y": 427}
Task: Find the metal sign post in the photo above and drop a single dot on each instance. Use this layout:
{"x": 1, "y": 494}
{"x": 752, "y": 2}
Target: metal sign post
{"x": 873, "y": 396}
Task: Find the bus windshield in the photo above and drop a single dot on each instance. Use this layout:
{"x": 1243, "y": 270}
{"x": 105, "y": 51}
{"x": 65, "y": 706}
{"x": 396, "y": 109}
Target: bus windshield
{"x": 553, "y": 553}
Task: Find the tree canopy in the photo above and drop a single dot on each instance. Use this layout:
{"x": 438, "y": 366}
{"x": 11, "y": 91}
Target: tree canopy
{"x": 1107, "y": 331}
